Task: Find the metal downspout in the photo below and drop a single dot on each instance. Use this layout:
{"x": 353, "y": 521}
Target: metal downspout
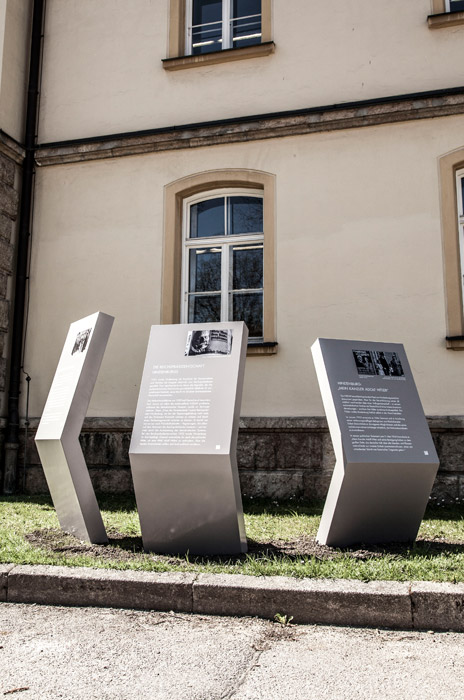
{"x": 12, "y": 433}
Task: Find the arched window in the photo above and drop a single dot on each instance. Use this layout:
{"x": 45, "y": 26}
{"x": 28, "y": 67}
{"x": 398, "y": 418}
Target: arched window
{"x": 218, "y": 258}
{"x": 223, "y": 259}
{"x": 460, "y": 221}
{"x": 452, "y": 212}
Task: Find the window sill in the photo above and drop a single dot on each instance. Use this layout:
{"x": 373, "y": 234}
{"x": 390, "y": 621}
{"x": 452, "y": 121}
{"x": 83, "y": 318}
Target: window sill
{"x": 455, "y": 342}
{"x": 445, "y": 19}
{"x": 208, "y": 59}
{"x": 262, "y": 349}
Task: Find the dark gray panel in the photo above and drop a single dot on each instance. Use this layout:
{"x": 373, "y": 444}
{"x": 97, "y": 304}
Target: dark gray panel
{"x": 386, "y": 461}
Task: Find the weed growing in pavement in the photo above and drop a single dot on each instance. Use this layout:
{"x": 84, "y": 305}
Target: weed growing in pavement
{"x": 283, "y": 620}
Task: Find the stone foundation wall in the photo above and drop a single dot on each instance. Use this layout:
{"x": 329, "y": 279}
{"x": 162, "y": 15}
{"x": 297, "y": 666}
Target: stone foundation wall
{"x": 278, "y": 458}
{"x": 9, "y": 201}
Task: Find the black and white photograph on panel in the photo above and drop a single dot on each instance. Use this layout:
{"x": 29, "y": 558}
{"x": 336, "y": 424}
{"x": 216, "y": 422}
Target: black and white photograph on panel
{"x": 371, "y": 363}
{"x": 364, "y": 363}
{"x": 81, "y": 341}
{"x": 212, "y": 342}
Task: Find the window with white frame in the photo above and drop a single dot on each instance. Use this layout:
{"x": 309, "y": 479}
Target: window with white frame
{"x": 454, "y": 5}
{"x": 223, "y": 259}
{"x": 460, "y": 201}
{"x": 215, "y": 25}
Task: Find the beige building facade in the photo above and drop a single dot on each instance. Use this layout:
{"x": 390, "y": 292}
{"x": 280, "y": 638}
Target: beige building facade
{"x": 343, "y": 125}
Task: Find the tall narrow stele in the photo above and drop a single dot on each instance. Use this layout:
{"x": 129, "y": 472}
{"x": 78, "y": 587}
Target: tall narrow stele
{"x": 386, "y": 461}
{"x": 57, "y": 437}
{"x": 183, "y": 447}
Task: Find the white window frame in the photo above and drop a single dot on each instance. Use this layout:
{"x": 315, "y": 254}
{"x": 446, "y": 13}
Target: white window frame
{"x": 224, "y": 242}
{"x": 460, "y": 214}
{"x": 227, "y": 38}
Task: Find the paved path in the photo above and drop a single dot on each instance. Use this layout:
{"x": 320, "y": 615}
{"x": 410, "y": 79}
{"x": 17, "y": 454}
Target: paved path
{"x": 73, "y": 653}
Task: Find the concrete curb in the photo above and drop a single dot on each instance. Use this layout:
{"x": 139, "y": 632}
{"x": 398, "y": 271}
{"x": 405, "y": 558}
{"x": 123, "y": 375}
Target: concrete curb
{"x": 421, "y": 605}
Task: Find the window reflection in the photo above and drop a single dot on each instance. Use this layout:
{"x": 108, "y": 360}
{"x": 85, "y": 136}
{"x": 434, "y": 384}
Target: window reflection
{"x": 207, "y": 218}
{"x": 249, "y": 308}
{"x": 205, "y": 270}
{"x": 204, "y": 309}
{"x": 245, "y": 215}
{"x": 456, "y": 5}
{"x": 247, "y": 267}
{"x": 206, "y": 26}
{"x": 246, "y": 22}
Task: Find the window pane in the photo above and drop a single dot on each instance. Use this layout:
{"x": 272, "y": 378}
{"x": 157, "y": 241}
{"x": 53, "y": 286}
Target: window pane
{"x": 204, "y": 309}
{"x": 207, "y": 218}
{"x": 206, "y": 26}
{"x": 249, "y": 308}
{"x": 456, "y": 5}
{"x": 246, "y": 22}
{"x": 247, "y": 266}
{"x": 245, "y": 215}
{"x": 205, "y": 270}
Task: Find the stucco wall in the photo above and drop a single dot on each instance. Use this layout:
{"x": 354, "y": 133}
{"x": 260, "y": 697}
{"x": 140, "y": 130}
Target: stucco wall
{"x": 103, "y": 69}
{"x": 359, "y": 255}
{"x": 15, "y": 18}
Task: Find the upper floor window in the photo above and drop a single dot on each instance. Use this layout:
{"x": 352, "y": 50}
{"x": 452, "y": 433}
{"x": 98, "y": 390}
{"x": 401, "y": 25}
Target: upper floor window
{"x": 214, "y": 25}
{"x": 202, "y": 32}
{"x": 454, "y": 5}
{"x": 446, "y": 13}
{"x": 223, "y": 259}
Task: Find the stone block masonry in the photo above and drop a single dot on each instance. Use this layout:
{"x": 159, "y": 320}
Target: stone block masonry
{"x": 9, "y": 209}
{"x": 279, "y": 458}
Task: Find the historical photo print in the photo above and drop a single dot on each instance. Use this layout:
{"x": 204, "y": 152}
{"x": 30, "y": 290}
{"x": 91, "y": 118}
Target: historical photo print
{"x": 82, "y": 338}
{"x": 377, "y": 363}
{"x": 213, "y": 342}
{"x": 364, "y": 363}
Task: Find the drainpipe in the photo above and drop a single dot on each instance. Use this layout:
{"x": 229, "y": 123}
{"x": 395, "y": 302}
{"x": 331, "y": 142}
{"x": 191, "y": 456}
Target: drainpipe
{"x": 12, "y": 433}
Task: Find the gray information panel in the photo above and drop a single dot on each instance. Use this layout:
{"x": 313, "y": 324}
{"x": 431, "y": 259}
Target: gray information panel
{"x": 57, "y": 437}
{"x": 386, "y": 461}
{"x": 183, "y": 447}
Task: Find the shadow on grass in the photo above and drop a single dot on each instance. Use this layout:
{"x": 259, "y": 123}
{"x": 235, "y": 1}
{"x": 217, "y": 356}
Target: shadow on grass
{"x": 252, "y": 506}
{"x": 124, "y": 548}
{"x": 308, "y": 547}
{"x": 444, "y": 512}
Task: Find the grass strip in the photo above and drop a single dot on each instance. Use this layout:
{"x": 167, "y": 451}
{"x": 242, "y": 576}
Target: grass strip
{"x": 281, "y": 539}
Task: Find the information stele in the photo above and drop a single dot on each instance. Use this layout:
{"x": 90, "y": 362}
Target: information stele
{"x": 386, "y": 461}
{"x": 183, "y": 447}
{"x": 57, "y": 436}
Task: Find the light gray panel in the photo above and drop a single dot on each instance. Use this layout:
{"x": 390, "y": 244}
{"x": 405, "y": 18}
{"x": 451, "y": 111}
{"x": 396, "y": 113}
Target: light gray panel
{"x": 183, "y": 447}
{"x": 386, "y": 461}
{"x": 181, "y": 512}
{"x": 57, "y": 437}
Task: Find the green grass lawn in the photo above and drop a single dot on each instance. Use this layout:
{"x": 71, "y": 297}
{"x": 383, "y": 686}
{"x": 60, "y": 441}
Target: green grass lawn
{"x": 280, "y": 536}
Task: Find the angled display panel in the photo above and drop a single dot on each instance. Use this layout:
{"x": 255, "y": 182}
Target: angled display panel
{"x": 183, "y": 447}
{"x": 386, "y": 461}
{"x": 57, "y": 437}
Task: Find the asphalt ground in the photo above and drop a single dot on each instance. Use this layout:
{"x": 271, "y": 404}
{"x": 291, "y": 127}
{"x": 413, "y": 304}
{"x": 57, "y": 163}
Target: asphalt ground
{"x": 73, "y": 653}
